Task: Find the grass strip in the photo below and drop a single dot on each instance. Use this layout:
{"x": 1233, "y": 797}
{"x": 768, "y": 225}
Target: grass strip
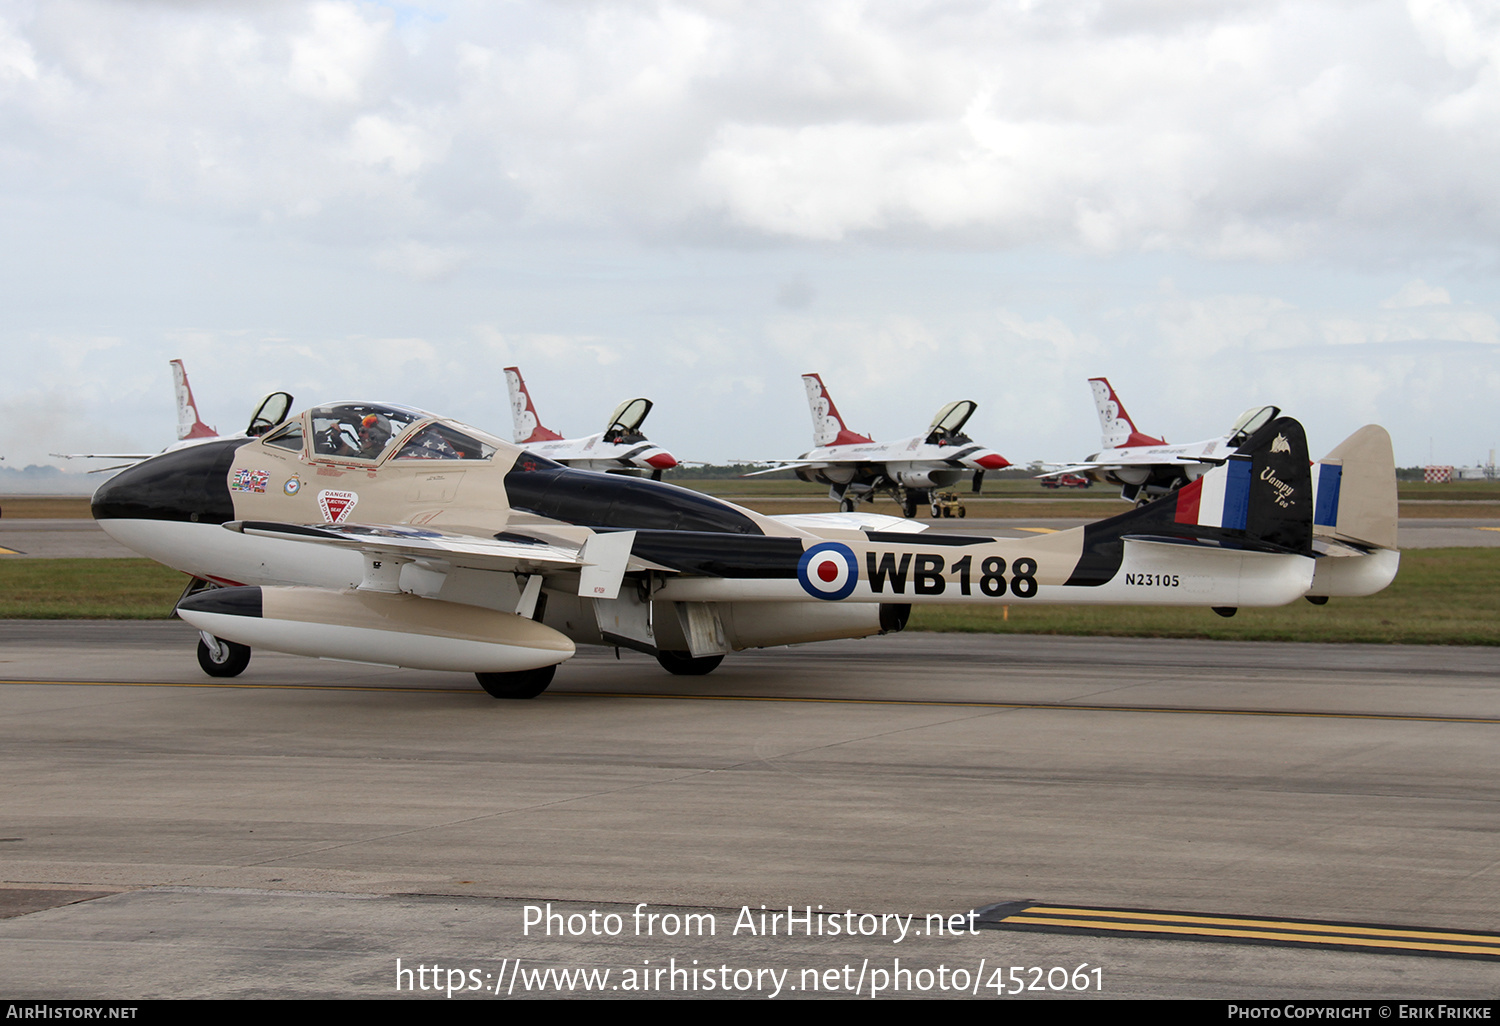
{"x": 1440, "y": 597}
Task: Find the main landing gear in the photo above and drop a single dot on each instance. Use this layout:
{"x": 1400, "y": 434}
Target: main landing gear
{"x": 518, "y": 684}
{"x": 220, "y": 658}
{"x": 682, "y": 664}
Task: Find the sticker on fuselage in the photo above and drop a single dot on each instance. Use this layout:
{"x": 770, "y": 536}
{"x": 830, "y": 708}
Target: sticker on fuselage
{"x": 336, "y": 506}
{"x": 828, "y": 571}
{"x": 292, "y": 486}
{"x": 249, "y": 481}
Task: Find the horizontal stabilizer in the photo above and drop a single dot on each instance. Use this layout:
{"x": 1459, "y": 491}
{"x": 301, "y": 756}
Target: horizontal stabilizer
{"x": 1356, "y": 490}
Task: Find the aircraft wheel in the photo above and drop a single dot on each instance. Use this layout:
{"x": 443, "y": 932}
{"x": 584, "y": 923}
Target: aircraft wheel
{"x": 1317, "y": 600}
{"x": 224, "y": 659}
{"x": 682, "y": 664}
{"x": 909, "y": 510}
{"x": 518, "y": 684}
{"x": 846, "y": 505}
{"x": 962, "y": 512}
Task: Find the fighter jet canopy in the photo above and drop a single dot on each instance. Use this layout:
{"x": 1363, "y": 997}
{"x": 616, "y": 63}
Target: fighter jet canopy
{"x": 1251, "y": 421}
{"x": 948, "y": 425}
{"x": 625, "y": 423}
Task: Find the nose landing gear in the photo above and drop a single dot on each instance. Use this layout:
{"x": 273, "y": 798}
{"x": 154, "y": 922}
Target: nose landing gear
{"x": 220, "y": 658}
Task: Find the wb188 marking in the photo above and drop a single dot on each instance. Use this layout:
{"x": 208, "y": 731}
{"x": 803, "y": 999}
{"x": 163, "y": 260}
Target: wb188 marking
{"x": 926, "y": 574}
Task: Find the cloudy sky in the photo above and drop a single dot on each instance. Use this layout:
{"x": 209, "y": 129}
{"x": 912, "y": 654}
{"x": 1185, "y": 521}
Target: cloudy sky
{"x": 1215, "y": 205}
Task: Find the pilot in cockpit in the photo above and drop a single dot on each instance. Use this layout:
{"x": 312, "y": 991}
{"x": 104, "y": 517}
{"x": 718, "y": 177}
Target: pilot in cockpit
{"x": 374, "y": 435}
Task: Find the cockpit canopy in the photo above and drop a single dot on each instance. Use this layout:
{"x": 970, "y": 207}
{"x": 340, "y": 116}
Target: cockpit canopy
{"x": 1251, "y": 421}
{"x": 370, "y": 432}
{"x": 947, "y": 426}
{"x": 625, "y": 423}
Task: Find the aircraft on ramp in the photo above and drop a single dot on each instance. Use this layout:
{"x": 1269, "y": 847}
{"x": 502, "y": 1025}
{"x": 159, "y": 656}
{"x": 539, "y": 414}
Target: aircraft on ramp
{"x": 618, "y": 449}
{"x": 1147, "y": 468}
{"x": 434, "y": 545}
{"x": 191, "y": 430}
{"x": 855, "y": 467}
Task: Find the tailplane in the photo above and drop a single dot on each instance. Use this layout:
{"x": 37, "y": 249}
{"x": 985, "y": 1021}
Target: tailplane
{"x": 189, "y": 424}
{"x": 1356, "y": 490}
{"x": 828, "y": 426}
{"x": 526, "y": 424}
{"x": 1115, "y": 426}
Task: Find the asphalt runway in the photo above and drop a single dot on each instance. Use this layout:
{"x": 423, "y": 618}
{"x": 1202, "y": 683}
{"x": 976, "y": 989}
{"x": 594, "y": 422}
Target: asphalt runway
{"x": 1328, "y": 812}
{"x": 53, "y": 539}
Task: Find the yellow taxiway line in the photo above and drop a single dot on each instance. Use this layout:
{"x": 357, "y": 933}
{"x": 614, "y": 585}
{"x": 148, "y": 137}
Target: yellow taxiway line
{"x": 1280, "y": 931}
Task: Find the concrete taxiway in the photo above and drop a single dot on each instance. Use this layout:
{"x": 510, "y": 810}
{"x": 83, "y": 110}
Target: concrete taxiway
{"x": 295, "y": 832}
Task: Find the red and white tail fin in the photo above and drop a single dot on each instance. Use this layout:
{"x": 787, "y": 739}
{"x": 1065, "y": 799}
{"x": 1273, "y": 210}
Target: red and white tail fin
{"x": 189, "y": 424}
{"x": 1115, "y": 425}
{"x": 828, "y": 426}
{"x": 528, "y": 426}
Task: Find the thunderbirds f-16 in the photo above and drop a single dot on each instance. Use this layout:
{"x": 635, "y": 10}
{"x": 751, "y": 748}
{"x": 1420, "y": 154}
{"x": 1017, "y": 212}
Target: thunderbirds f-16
{"x": 618, "y": 449}
{"x": 191, "y": 430}
{"x": 384, "y": 534}
{"x": 1147, "y": 468}
{"x": 856, "y": 467}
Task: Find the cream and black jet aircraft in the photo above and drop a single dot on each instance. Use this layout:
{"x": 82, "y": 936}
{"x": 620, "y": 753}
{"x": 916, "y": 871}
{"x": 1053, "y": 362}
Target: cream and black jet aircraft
{"x": 384, "y": 534}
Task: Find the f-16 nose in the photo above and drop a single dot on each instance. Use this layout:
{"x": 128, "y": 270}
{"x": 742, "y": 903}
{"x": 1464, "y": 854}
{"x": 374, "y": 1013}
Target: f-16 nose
{"x": 993, "y": 461}
{"x": 662, "y": 461}
{"x": 189, "y": 484}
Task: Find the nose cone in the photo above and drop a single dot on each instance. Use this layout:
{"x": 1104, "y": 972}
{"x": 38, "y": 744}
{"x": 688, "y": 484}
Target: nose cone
{"x": 661, "y": 460}
{"x": 992, "y": 461}
{"x": 190, "y": 484}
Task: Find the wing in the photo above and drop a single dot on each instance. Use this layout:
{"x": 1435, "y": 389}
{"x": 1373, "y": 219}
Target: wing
{"x": 602, "y": 561}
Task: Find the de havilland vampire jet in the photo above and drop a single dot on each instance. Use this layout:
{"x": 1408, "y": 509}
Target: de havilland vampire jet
{"x": 856, "y": 467}
{"x": 191, "y": 430}
{"x": 383, "y": 534}
{"x": 618, "y": 449}
{"x": 1147, "y": 468}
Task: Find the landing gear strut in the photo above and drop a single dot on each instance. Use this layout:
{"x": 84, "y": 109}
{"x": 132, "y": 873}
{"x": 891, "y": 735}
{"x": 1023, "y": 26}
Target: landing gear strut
{"x": 220, "y": 658}
{"x": 518, "y": 684}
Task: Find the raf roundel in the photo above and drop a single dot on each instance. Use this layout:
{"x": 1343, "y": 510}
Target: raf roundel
{"x": 828, "y": 571}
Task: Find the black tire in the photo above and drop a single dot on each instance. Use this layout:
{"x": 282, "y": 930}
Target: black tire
{"x": 909, "y": 510}
{"x": 682, "y": 664}
{"x": 962, "y": 512}
{"x": 232, "y": 658}
{"x": 846, "y": 505}
{"x": 517, "y": 684}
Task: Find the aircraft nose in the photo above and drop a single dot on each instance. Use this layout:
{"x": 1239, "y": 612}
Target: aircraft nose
{"x": 993, "y": 461}
{"x": 662, "y": 461}
{"x": 188, "y": 484}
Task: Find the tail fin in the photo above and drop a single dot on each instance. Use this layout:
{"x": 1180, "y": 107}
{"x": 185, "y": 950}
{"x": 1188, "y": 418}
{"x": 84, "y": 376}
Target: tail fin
{"x": 1260, "y": 499}
{"x": 527, "y": 425}
{"x": 828, "y": 426}
{"x": 1115, "y": 425}
{"x": 189, "y": 424}
{"x": 1355, "y": 490}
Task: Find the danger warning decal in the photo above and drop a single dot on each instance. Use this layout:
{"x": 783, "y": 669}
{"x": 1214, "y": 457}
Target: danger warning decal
{"x": 336, "y": 506}
{"x": 828, "y": 571}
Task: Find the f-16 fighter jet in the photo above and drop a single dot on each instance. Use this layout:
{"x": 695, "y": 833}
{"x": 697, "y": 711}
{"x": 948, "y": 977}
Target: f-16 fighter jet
{"x": 856, "y": 467}
{"x": 191, "y": 430}
{"x": 618, "y": 449}
{"x": 1147, "y": 468}
{"x": 385, "y": 534}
